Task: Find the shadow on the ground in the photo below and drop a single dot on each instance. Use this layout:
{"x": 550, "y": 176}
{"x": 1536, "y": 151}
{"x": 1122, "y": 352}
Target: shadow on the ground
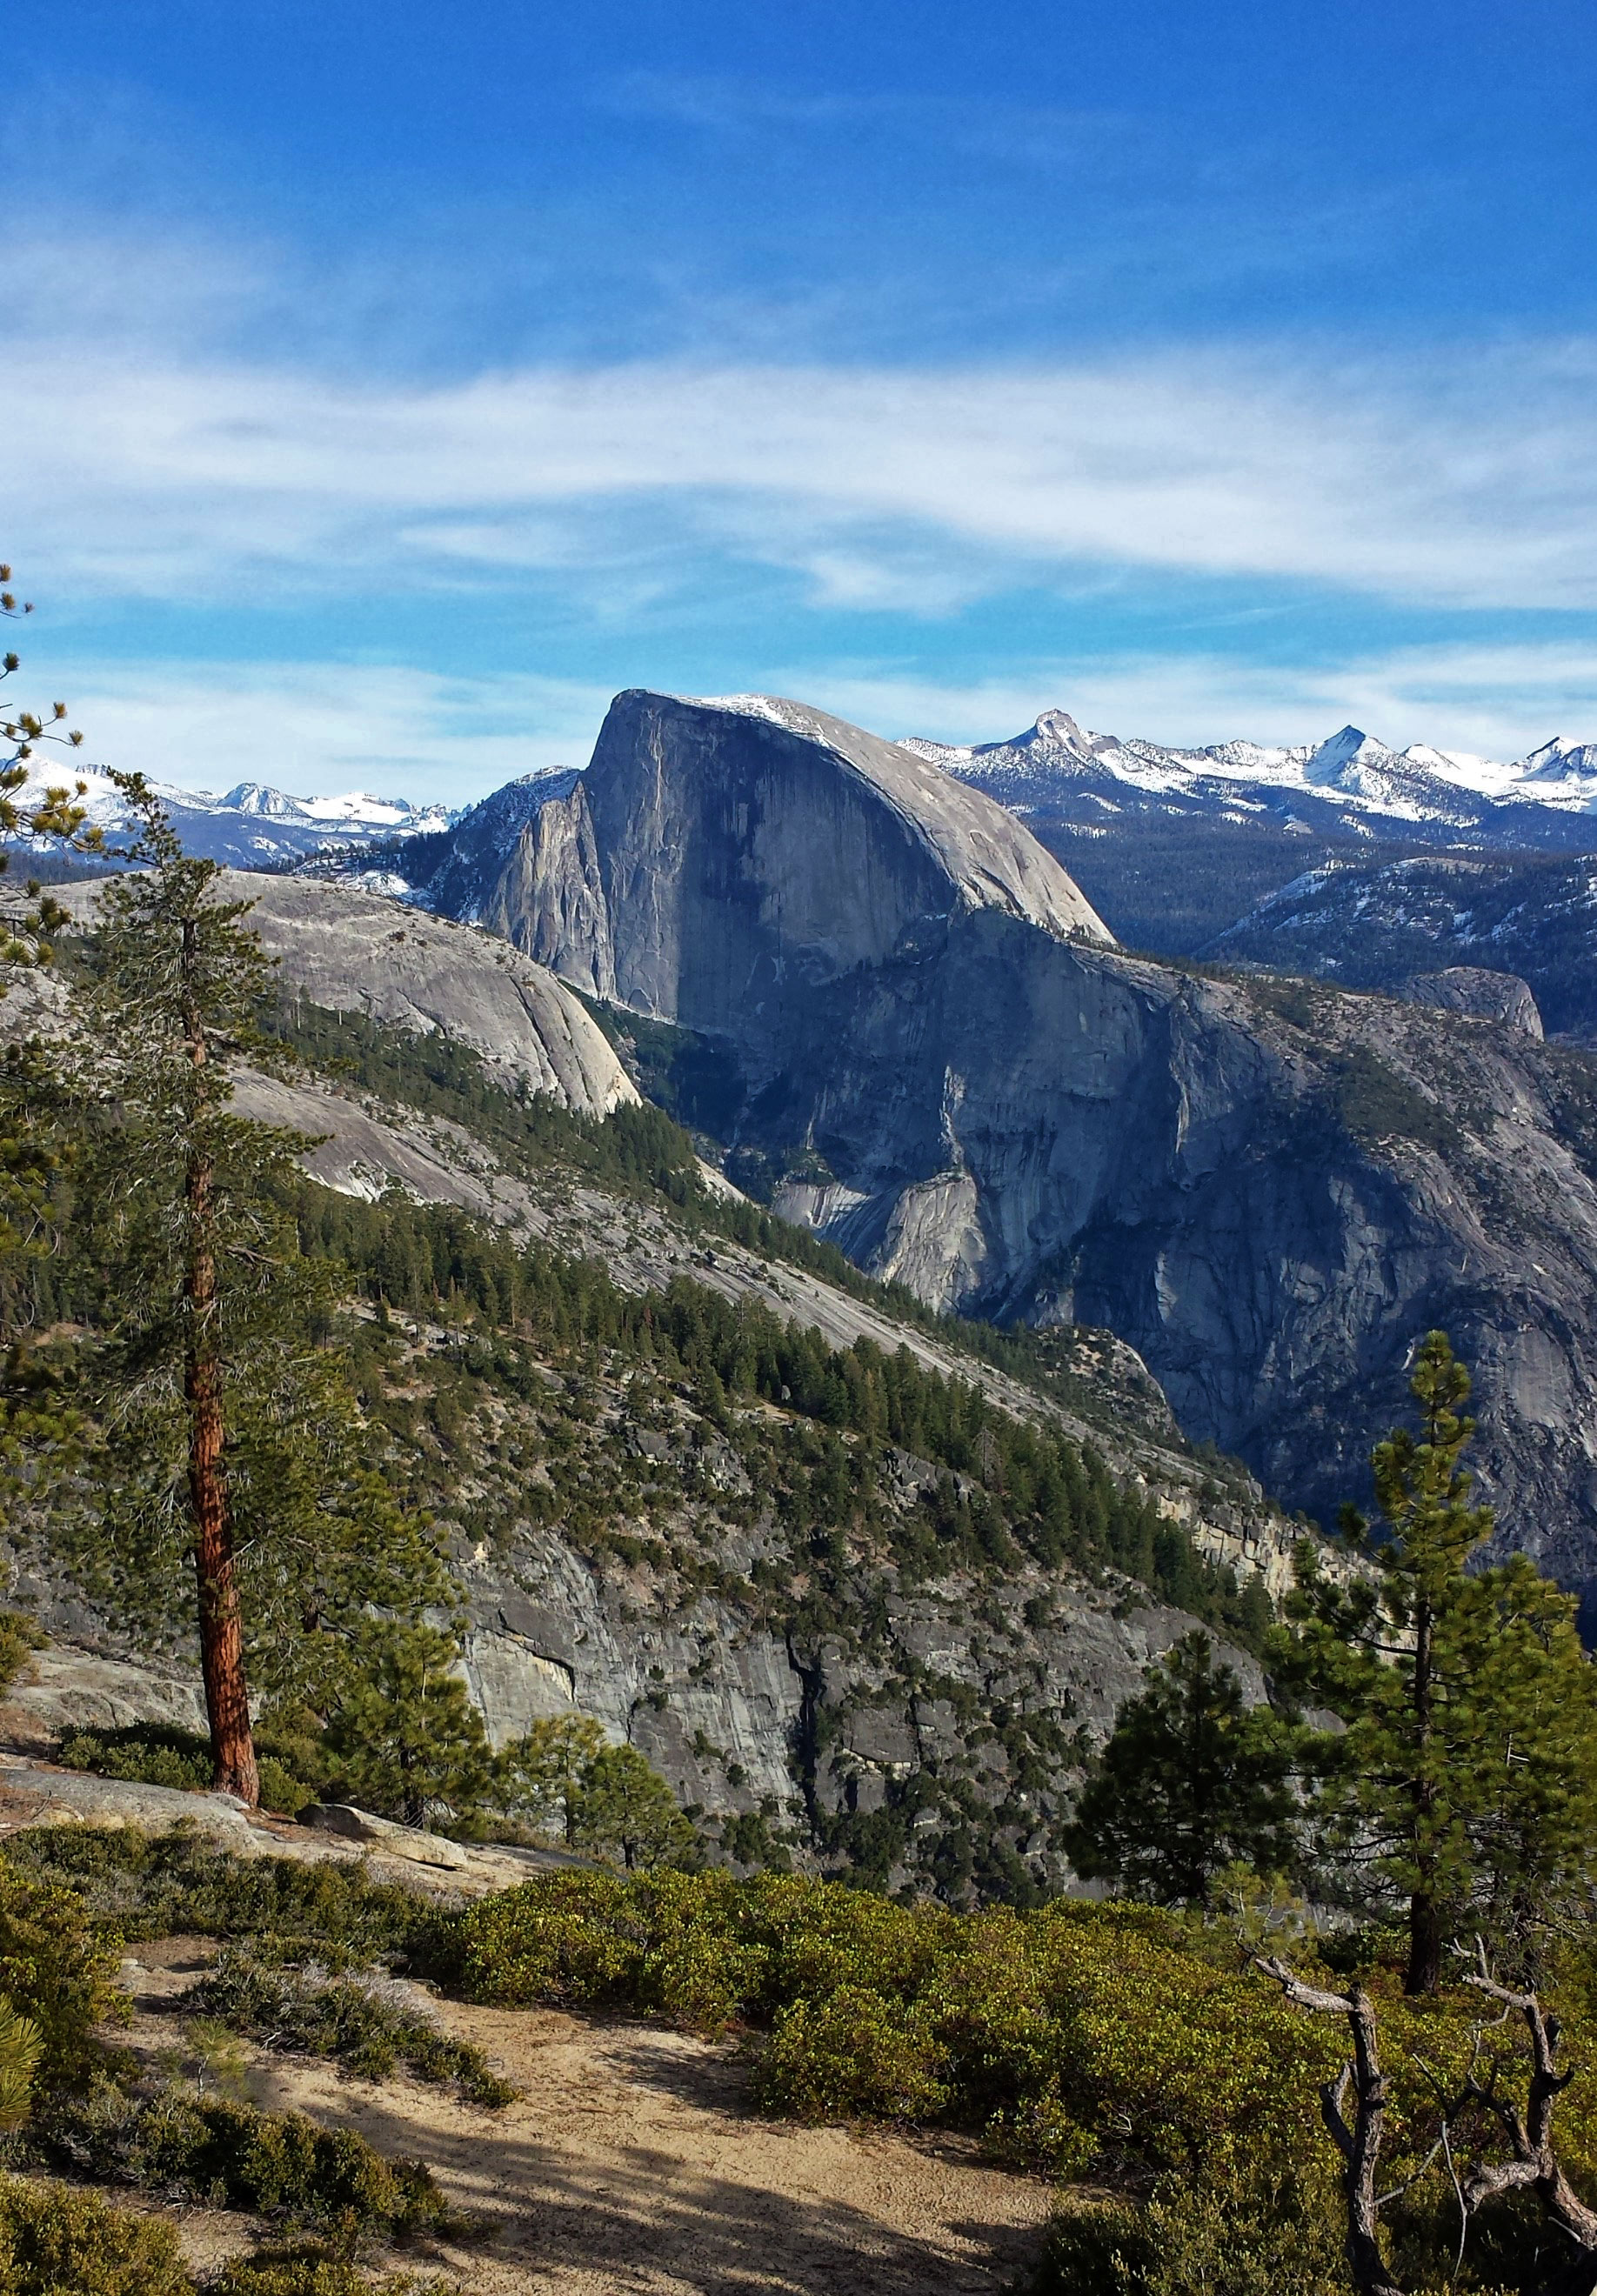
{"x": 641, "y": 2213}
{"x": 637, "y": 2216}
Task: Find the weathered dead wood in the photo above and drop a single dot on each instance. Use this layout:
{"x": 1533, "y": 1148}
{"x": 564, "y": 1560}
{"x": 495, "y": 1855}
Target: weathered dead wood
{"x": 1535, "y": 2165}
{"x": 1359, "y": 2142}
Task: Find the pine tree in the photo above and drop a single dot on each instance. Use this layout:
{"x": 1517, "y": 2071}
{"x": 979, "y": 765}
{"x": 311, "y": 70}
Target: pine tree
{"x": 1461, "y": 1786}
{"x": 1191, "y": 1781}
{"x": 404, "y": 1738}
{"x": 229, "y": 1434}
{"x": 573, "y": 1785}
{"x": 627, "y": 1810}
{"x": 542, "y": 1777}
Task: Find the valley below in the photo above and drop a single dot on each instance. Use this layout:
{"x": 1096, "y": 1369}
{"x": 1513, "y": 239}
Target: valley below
{"x": 800, "y": 1656}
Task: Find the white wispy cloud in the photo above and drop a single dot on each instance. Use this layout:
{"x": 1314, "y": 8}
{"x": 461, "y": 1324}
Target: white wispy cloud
{"x": 144, "y": 459}
{"x": 314, "y": 729}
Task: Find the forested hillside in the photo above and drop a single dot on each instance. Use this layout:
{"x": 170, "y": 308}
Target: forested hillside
{"x": 864, "y": 1601}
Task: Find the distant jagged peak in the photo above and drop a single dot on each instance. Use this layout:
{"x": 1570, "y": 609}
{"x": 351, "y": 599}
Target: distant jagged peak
{"x": 1560, "y": 760}
{"x": 1347, "y": 749}
{"x": 1055, "y": 730}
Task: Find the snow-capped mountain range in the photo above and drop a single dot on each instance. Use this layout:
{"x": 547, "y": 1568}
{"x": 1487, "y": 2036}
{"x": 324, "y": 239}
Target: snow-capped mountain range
{"x": 253, "y": 826}
{"x": 1058, "y": 771}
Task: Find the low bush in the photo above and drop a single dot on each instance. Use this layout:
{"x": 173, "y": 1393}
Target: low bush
{"x": 1277, "y": 2237}
{"x": 57, "y": 2242}
{"x": 224, "y": 2154}
{"x": 854, "y": 2056}
{"x": 139, "y": 1885}
{"x": 146, "y": 1754}
{"x": 160, "y": 1754}
{"x": 20, "y": 1637}
{"x": 58, "y": 1971}
{"x": 352, "y": 2019}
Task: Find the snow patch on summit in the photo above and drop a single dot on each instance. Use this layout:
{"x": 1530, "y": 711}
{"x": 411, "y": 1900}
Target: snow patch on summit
{"x": 1056, "y": 759}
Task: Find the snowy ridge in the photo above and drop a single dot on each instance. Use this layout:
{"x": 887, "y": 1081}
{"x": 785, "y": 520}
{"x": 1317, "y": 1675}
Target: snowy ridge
{"x": 251, "y": 826}
{"x": 1056, "y": 764}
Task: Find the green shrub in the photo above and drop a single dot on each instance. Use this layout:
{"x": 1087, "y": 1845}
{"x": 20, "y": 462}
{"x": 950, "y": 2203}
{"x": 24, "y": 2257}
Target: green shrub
{"x": 158, "y": 1754}
{"x": 58, "y": 1973}
{"x": 567, "y": 1940}
{"x": 224, "y": 2154}
{"x": 20, "y": 1637}
{"x": 281, "y": 1792}
{"x": 145, "y": 1753}
{"x": 56, "y": 2242}
{"x": 854, "y": 2054}
{"x": 305, "y": 2011}
{"x": 1280, "y": 2237}
{"x": 146, "y": 1886}
{"x": 22, "y": 2045}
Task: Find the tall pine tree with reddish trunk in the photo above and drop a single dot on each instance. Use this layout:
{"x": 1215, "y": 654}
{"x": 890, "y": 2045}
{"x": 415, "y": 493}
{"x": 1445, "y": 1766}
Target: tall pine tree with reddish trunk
{"x": 216, "y": 1561}
{"x": 227, "y": 1452}
{"x": 181, "y": 979}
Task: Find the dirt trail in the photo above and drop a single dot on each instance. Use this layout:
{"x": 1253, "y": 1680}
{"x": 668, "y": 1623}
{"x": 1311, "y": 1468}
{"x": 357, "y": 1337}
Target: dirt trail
{"x": 631, "y": 2166}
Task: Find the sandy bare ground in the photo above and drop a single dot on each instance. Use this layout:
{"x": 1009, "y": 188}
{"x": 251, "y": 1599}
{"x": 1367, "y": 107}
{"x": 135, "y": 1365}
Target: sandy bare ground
{"x": 632, "y": 2165}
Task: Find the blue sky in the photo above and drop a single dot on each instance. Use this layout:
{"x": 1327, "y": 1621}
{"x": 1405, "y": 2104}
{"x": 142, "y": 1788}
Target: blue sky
{"x": 387, "y": 385}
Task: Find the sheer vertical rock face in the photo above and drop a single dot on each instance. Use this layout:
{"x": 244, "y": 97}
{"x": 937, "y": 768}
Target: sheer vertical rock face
{"x": 1270, "y": 1214}
{"x": 719, "y": 862}
{"x": 979, "y": 1095}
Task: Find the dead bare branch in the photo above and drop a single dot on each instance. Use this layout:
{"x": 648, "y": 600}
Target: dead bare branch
{"x": 1359, "y": 2143}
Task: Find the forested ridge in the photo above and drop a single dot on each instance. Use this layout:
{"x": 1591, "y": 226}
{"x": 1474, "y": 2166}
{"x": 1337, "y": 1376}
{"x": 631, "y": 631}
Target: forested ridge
{"x": 283, "y": 1426}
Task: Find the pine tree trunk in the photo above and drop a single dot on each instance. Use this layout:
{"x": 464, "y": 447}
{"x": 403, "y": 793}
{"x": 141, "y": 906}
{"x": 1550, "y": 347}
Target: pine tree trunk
{"x": 1424, "y": 1973}
{"x": 216, "y": 1565}
{"x": 221, "y": 1634}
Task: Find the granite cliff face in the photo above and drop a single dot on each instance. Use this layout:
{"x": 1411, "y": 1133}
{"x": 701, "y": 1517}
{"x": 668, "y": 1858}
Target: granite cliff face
{"x": 725, "y": 859}
{"x": 1268, "y": 1192}
{"x": 352, "y": 951}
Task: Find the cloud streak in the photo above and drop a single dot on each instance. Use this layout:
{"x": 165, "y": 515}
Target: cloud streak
{"x": 1466, "y": 480}
{"x": 313, "y": 729}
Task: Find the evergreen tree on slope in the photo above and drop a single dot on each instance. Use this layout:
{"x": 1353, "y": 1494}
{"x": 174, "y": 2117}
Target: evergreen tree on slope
{"x": 1191, "y": 1781}
{"x": 1464, "y": 1787}
{"x": 230, "y": 1434}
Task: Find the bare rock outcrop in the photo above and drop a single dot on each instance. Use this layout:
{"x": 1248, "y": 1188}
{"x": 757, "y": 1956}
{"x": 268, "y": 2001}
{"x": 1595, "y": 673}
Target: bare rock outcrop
{"x": 1479, "y": 995}
{"x": 353, "y": 951}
